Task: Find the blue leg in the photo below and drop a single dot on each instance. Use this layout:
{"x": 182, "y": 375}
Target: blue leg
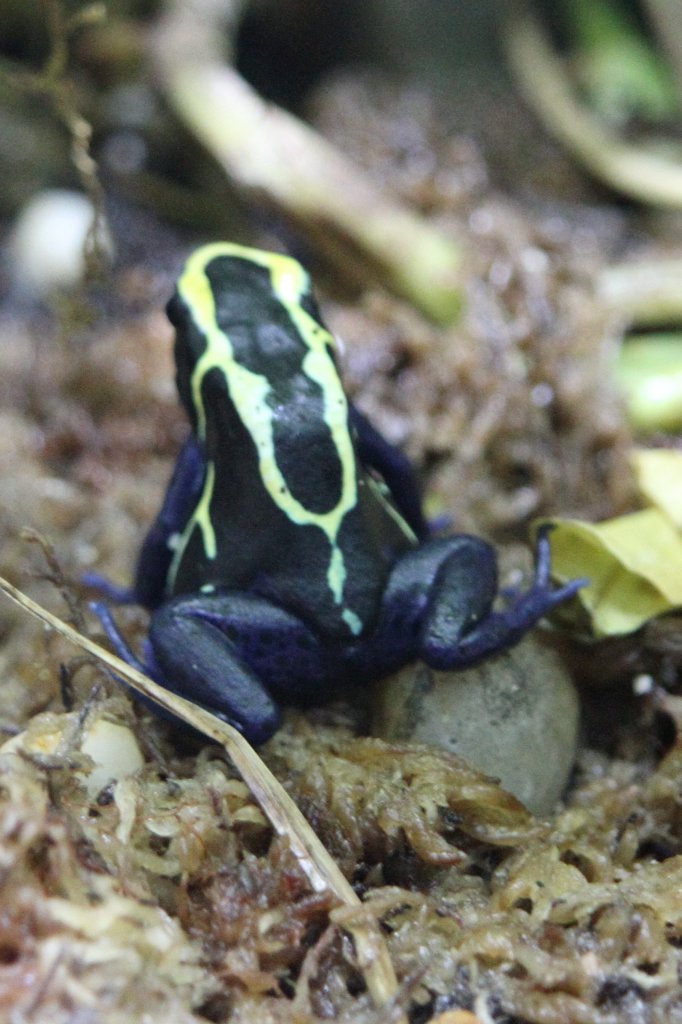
{"x": 234, "y": 653}
{"x": 198, "y": 661}
{"x": 191, "y": 655}
{"x": 445, "y": 646}
{"x": 439, "y": 600}
{"x": 396, "y": 469}
{"x": 409, "y": 598}
{"x": 114, "y": 634}
{"x": 105, "y": 588}
{"x": 147, "y": 667}
{"x": 156, "y": 554}
{"x": 178, "y": 504}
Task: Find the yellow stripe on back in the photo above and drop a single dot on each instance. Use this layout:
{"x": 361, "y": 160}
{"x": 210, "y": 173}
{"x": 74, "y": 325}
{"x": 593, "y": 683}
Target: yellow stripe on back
{"x": 249, "y": 392}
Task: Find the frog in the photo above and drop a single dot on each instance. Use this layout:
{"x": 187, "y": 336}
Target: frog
{"x": 291, "y": 555}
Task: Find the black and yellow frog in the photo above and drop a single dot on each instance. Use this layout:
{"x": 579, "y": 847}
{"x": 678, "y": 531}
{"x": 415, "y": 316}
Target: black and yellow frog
{"x": 291, "y": 554}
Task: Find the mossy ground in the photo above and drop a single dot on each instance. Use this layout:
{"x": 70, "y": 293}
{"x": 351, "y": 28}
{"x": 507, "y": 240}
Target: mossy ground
{"x": 167, "y": 897}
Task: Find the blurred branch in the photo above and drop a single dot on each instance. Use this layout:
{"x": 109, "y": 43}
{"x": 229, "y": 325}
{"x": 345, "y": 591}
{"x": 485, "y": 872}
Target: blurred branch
{"x": 617, "y": 66}
{"x": 53, "y": 84}
{"x": 629, "y": 169}
{"x": 666, "y": 17}
{"x": 274, "y": 157}
{"x": 646, "y": 294}
{"x": 649, "y": 371}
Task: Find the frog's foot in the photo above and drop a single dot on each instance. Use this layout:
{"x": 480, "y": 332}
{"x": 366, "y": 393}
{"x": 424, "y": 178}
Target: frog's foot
{"x": 543, "y": 594}
{"x": 446, "y": 644}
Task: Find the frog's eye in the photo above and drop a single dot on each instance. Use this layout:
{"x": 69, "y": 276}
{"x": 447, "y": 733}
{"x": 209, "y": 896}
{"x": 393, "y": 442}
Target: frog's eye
{"x": 190, "y": 341}
{"x": 308, "y": 303}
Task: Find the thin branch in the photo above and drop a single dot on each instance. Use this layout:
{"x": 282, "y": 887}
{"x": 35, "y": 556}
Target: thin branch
{"x": 286, "y": 819}
{"x": 632, "y": 170}
{"x": 665, "y": 17}
{"x": 279, "y": 160}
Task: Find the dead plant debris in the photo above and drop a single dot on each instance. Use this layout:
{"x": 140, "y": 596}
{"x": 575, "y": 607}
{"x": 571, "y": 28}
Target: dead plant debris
{"x": 166, "y": 894}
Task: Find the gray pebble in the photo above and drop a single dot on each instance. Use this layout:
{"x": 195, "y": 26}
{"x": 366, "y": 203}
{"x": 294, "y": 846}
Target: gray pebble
{"x": 515, "y": 717}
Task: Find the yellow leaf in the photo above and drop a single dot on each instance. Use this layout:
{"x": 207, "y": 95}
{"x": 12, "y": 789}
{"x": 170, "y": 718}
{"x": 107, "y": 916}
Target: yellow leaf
{"x": 658, "y": 473}
{"x": 633, "y": 563}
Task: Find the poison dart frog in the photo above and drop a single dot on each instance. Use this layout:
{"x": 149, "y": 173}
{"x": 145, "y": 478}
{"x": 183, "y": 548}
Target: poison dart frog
{"x": 290, "y": 554}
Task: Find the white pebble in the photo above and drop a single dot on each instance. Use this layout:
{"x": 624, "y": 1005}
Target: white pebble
{"x": 46, "y": 248}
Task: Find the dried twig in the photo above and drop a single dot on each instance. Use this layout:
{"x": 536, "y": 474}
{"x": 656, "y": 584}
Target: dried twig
{"x": 285, "y": 817}
{"x": 279, "y": 160}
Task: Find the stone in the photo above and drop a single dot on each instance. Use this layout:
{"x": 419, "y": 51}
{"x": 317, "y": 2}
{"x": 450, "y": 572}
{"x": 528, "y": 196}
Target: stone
{"x": 515, "y": 716}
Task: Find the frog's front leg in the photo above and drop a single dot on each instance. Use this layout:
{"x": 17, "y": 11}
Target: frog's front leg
{"x": 180, "y": 500}
{"x": 155, "y": 557}
{"x": 396, "y": 469}
{"x": 441, "y": 595}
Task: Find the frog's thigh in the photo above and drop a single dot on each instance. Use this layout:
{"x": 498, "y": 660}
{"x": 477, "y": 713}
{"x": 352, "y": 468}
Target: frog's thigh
{"x": 231, "y": 651}
{"x": 201, "y": 662}
{"x": 444, "y": 584}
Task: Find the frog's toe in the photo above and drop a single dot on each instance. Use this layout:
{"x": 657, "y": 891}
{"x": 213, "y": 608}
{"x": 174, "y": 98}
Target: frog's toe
{"x": 543, "y": 557}
{"x": 543, "y": 595}
{"x": 106, "y": 589}
{"x": 115, "y": 637}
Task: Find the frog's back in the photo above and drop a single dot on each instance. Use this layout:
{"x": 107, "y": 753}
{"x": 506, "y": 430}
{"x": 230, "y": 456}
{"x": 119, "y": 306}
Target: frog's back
{"x": 327, "y": 564}
{"x": 284, "y": 508}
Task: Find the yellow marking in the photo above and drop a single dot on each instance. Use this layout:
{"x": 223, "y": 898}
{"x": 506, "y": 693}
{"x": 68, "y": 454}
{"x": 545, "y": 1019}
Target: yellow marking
{"x": 353, "y": 622}
{"x": 201, "y": 517}
{"x": 249, "y": 392}
{"x": 383, "y": 496}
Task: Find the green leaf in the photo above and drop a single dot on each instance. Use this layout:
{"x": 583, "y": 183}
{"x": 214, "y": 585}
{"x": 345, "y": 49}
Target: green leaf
{"x": 620, "y": 69}
{"x": 649, "y": 371}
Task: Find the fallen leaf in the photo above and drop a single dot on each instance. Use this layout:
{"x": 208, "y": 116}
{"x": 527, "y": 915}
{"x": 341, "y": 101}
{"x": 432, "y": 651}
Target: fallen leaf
{"x": 633, "y": 564}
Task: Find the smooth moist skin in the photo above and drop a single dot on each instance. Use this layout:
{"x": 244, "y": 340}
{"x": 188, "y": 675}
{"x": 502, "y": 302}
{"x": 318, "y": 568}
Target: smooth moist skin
{"x": 291, "y": 555}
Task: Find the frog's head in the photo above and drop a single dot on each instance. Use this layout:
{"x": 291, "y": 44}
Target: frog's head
{"x": 247, "y": 328}
{"x": 254, "y": 361}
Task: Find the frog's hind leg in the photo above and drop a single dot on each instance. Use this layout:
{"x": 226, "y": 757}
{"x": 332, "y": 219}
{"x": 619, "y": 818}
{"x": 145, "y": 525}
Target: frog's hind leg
{"x": 191, "y": 657}
{"x": 198, "y": 661}
{"x": 441, "y": 588}
{"x": 439, "y": 603}
{"x": 230, "y": 651}
{"x": 450, "y": 638}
